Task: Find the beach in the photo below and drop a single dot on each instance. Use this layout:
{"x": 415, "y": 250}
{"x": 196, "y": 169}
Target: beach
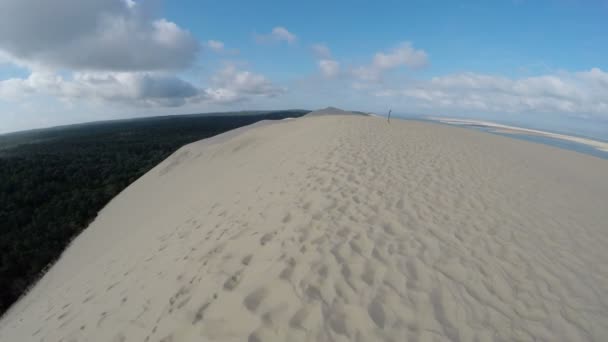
{"x": 506, "y": 129}
{"x": 339, "y": 228}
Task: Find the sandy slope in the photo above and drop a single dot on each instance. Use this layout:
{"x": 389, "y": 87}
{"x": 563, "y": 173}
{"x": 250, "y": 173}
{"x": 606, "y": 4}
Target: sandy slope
{"x": 338, "y": 228}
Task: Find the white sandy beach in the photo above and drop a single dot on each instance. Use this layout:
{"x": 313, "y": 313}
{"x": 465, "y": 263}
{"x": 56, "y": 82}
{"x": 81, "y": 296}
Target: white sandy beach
{"x": 339, "y": 228}
{"x": 597, "y": 144}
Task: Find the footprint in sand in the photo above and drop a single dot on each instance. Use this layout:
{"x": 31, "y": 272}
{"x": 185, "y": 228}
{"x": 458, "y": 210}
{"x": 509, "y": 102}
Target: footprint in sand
{"x": 233, "y": 281}
{"x": 266, "y": 238}
{"x": 246, "y": 260}
{"x": 253, "y": 300}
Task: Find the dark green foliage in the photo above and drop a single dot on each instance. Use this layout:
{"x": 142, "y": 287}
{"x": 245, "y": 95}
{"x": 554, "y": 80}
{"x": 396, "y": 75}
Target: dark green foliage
{"x": 53, "y": 182}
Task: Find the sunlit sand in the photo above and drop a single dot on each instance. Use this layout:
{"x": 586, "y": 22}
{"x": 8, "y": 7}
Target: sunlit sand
{"x": 339, "y": 228}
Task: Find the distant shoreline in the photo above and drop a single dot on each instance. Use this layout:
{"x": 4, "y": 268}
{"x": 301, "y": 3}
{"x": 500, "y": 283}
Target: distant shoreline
{"x": 493, "y": 127}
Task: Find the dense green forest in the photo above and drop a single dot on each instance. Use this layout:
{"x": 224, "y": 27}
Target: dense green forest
{"x": 53, "y": 182}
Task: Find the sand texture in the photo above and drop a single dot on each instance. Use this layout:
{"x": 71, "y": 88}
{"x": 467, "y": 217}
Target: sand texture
{"x": 339, "y": 228}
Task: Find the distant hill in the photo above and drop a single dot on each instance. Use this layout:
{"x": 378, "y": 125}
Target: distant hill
{"x": 334, "y": 111}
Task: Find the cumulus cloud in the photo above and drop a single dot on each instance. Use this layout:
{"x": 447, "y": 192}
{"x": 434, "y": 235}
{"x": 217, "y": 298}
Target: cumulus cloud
{"x": 157, "y": 89}
{"x": 595, "y": 76}
{"x": 220, "y": 48}
{"x": 215, "y": 45}
{"x": 134, "y": 88}
{"x": 99, "y": 35}
{"x": 403, "y": 55}
{"x": 138, "y": 88}
{"x": 321, "y": 51}
{"x": 17, "y": 88}
{"x": 278, "y": 34}
{"x": 281, "y": 34}
{"x": 367, "y": 76}
{"x": 232, "y": 85}
{"x": 329, "y": 67}
{"x": 565, "y": 92}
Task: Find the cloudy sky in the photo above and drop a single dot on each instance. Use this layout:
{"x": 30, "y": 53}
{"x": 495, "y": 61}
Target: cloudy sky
{"x": 538, "y": 63}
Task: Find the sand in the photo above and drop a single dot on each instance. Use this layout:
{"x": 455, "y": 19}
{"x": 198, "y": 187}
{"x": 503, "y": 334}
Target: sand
{"x": 499, "y": 128}
{"x": 339, "y": 228}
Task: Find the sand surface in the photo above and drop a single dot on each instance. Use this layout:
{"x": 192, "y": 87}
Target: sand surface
{"x": 339, "y": 228}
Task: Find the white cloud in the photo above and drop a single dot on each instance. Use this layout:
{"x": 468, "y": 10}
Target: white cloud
{"x": 368, "y": 75}
{"x": 113, "y": 52}
{"x": 133, "y": 88}
{"x": 215, "y": 45}
{"x": 151, "y": 89}
{"x": 101, "y": 35}
{"x": 17, "y": 88}
{"x": 575, "y": 93}
{"x": 595, "y": 76}
{"x": 220, "y": 48}
{"x": 232, "y": 85}
{"x": 281, "y": 34}
{"x": 321, "y": 51}
{"x": 403, "y": 55}
{"x": 329, "y": 67}
{"x": 130, "y": 3}
{"x": 278, "y": 34}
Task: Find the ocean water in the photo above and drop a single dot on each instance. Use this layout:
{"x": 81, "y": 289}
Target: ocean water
{"x": 563, "y": 144}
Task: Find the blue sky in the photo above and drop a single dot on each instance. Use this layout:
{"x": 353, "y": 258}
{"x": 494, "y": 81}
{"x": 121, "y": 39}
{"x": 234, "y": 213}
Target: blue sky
{"x": 483, "y": 36}
{"x": 540, "y": 63}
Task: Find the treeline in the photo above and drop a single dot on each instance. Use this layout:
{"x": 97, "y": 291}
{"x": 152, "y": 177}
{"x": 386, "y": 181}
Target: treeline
{"x": 54, "y": 182}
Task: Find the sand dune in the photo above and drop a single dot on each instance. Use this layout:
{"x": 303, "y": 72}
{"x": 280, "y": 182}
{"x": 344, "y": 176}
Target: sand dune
{"x": 339, "y": 228}
{"x": 334, "y": 111}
